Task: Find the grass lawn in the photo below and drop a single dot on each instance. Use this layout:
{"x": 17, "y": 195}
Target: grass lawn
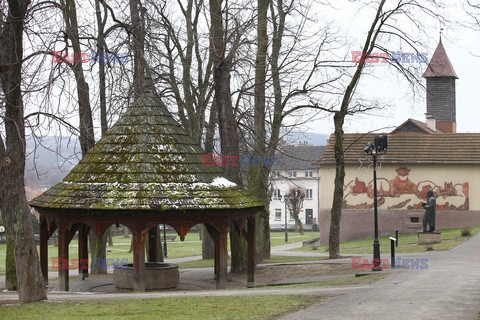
{"x": 192, "y": 246}
{"x": 277, "y": 238}
{"x": 406, "y": 243}
{"x": 199, "y": 308}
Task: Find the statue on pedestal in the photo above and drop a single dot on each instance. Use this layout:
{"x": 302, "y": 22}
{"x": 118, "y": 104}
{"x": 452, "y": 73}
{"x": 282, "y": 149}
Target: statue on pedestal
{"x": 430, "y": 212}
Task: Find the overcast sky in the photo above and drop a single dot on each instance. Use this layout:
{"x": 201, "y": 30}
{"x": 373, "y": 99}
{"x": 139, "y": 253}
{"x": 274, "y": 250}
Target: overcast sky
{"x": 461, "y": 45}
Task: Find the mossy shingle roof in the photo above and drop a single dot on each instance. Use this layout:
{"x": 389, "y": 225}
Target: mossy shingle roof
{"x": 146, "y": 161}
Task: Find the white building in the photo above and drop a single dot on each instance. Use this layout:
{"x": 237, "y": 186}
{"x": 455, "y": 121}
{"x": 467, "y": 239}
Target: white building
{"x": 296, "y": 170}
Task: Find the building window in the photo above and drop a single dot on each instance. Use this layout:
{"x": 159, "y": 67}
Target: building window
{"x": 308, "y": 193}
{"x": 292, "y": 174}
{"x": 308, "y": 174}
{"x": 277, "y": 194}
{"x": 278, "y": 214}
{"x": 275, "y": 174}
{"x": 309, "y": 216}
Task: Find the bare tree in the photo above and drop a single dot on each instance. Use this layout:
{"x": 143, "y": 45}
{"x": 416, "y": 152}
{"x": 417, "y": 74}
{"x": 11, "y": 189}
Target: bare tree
{"x": 380, "y": 25}
{"x": 15, "y": 209}
{"x": 295, "y": 197}
{"x": 222, "y": 66}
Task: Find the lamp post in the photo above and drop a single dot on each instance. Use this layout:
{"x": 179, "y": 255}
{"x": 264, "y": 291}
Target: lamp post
{"x": 380, "y": 144}
{"x": 164, "y": 240}
{"x": 285, "y": 200}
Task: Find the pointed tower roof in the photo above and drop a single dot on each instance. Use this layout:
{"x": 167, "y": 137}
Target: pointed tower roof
{"x": 146, "y": 161}
{"x": 440, "y": 65}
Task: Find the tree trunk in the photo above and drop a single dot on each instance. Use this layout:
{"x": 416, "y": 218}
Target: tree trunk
{"x": 258, "y": 174}
{"x": 208, "y": 247}
{"x": 98, "y": 252}
{"x": 87, "y": 137}
{"x": 101, "y": 46}
{"x": 10, "y": 273}
{"x": 336, "y": 211}
{"x": 109, "y": 237}
{"x": 125, "y": 232}
{"x": 210, "y": 129}
{"x": 298, "y": 224}
{"x": 226, "y": 119}
{"x": 339, "y": 118}
{"x": 137, "y": 14}
{"x": 14, "y": 207}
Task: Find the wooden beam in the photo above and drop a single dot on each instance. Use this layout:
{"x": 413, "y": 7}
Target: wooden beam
{"x": 83, "y": 251}
{"x": 70, "y": 233}
{"x": 222, "y": 257}
{"x": 251, "y": 238}
{"x": 44, "y": 249}
{"x": 139, "y": 262}
{"x": 214, "y": 235}
{"x": 63, "y": 262}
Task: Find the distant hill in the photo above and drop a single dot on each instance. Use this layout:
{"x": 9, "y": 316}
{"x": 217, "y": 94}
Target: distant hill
{"x": 49, "y": 160}
{"x": 311, "y": 138}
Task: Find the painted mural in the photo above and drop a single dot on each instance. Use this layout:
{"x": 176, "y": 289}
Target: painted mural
{"x": 402, "y": 193}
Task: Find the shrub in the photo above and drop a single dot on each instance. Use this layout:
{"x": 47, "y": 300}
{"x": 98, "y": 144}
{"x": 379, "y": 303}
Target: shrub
{"x": 466, "y": 232}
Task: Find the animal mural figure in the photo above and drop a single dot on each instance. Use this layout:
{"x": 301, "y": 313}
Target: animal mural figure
{"x": 403, "y": 193}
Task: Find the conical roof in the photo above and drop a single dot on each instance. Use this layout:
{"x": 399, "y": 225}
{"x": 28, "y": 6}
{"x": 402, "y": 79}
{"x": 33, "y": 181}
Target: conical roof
{"x": 146, "y": 161}
{"x": 440, "y": 65}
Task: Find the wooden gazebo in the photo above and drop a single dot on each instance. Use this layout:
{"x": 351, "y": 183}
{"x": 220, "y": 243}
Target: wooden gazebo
{"x": 144, "y": 172}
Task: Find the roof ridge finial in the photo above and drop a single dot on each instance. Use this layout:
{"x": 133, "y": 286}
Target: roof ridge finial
{"x": 441, "y": 30}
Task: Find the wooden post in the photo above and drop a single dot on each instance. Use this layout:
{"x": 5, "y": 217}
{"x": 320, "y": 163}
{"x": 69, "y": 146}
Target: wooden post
{"x": 44, "y": 249}
{"x": 63, "y": 262}
{"x": 83, "y": 252}
{"x": 221, "y": 281}
{"x": 216, "y": 258}
{"x": 154, "y": 245}
{"x": 251, "y": 238}
{"x": 214, "y": 235}
{"x": 139, "y": 262}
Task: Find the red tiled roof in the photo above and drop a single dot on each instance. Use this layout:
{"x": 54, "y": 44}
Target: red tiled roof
{"x": 448, "y": 148}
{"x": 440, "y": 65}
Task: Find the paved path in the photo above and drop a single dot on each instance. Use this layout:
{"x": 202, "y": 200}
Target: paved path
{"x": 448, "y": 289}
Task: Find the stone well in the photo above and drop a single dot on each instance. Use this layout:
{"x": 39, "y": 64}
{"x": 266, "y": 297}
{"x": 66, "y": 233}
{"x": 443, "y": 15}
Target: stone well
{"x": 158, "y": 275}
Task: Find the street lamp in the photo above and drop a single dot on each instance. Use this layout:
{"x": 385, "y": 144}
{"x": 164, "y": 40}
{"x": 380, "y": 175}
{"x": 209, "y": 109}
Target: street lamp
{"x": 380, "y": 145}
{"x": 285, "y": 200}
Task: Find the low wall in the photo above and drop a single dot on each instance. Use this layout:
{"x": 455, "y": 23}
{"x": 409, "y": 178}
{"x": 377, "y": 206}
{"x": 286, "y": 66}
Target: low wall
{"x": 358, "y": 223}
{"x": 158, "y": 275}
